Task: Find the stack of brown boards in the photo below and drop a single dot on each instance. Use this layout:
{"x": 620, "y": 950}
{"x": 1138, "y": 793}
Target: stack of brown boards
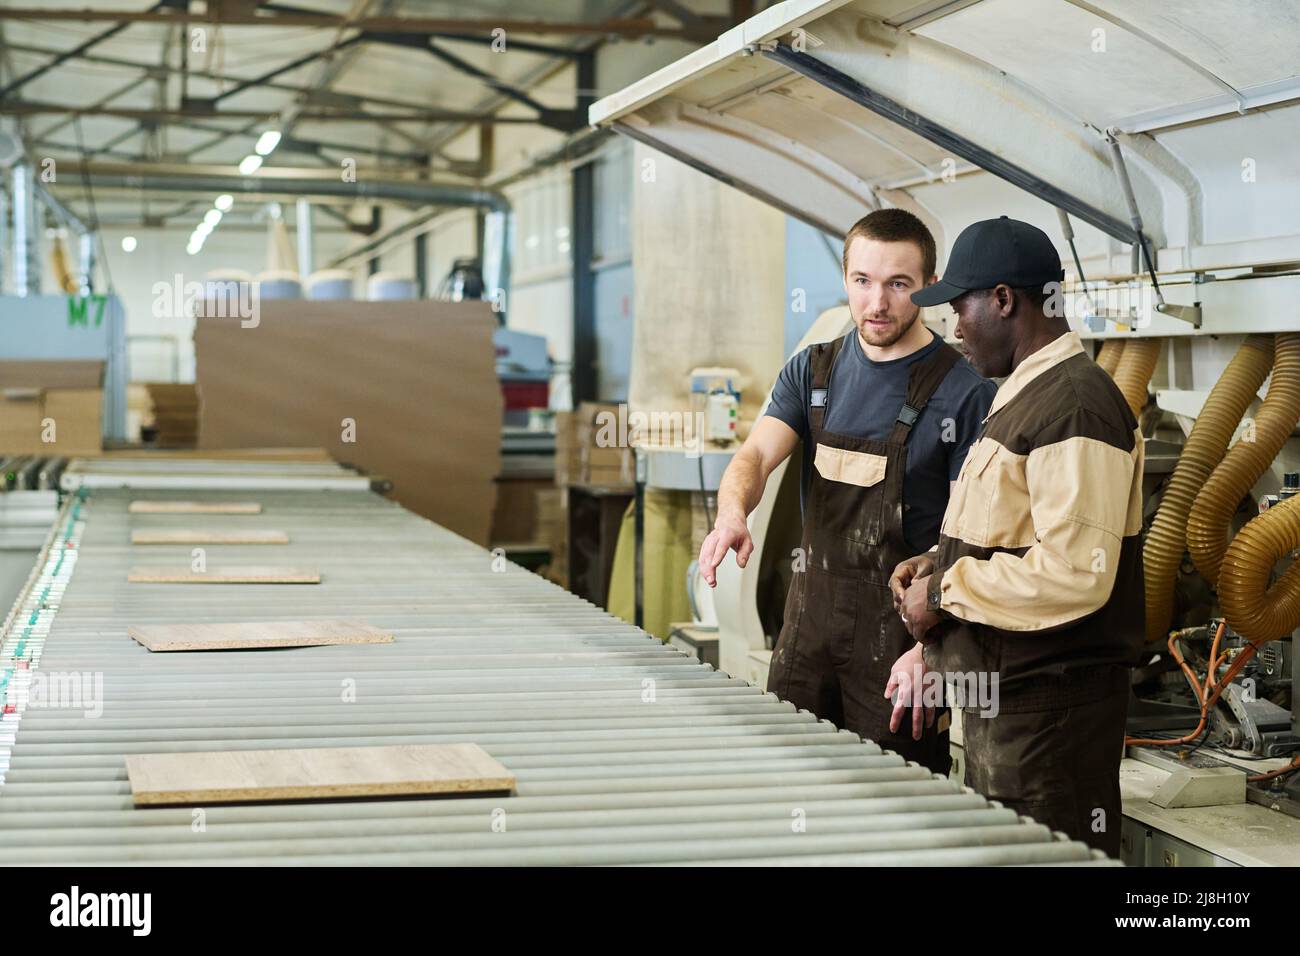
{"x": 407, "y": 390}
{"x": 228, "y": 574}
{"x": 247, "y": 635}
{"x": 247, "y": 776}
{"x": 175, "y": 413}
{"x": 166, "y": 507}
{"x": 184, "y": 536}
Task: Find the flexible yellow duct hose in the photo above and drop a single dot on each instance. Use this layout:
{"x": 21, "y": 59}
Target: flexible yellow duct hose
{"x": 59, "y": 266}
{"x": 1166, "y": 541}
{"x": 1136, "y": 364}
{"x": 1253, "y": 609}
{"x": 1212, "y": 511}
{"x": 1108, "y": 356}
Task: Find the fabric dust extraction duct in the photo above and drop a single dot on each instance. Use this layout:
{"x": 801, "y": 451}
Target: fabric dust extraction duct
{"x": 1109, "y": 355}
{"x": 1212, "y": 511}
{"x": 1134, "y": 369}
{"x": 1205, "y": 448}
{"x": 1253, "y": 609}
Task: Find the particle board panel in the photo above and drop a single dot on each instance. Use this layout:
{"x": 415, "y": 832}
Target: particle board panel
{"x": 185, "y": 536}
{"x": 407, "y": 390}
{"x": 246, "y": 635}
{"x": 163, "y": 507}
{"x": 296, "y": 455}
{"x": 228, "y": 574}
{"x": 245, "y": 776}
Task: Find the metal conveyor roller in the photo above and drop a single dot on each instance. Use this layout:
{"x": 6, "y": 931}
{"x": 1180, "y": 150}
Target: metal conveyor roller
{"x": 626, "y": 751}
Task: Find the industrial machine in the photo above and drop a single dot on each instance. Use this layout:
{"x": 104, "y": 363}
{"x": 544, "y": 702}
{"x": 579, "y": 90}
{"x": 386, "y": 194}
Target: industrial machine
{"x": 1132, "y": 134}
{"x": 523, "y": 362}
{"x": 715, "y": 402}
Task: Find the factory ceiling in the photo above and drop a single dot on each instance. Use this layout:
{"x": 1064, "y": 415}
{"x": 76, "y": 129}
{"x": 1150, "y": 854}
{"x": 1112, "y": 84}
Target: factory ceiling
{"x": 392, "y": 84}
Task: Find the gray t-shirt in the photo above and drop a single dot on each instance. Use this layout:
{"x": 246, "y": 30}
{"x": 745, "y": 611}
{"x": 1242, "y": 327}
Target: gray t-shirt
{"x": 865, "y": 398}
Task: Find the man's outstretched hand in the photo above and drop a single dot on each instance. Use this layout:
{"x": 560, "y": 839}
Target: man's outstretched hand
{"x": 728, "y": 534}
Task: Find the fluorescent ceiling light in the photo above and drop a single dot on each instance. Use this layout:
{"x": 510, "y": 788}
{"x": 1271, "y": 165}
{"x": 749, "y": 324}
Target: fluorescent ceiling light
{"x": 129, "y": 243}
{"x": 224, "y": 202}
{"x": 250, "y": 164}
{"x": 267, "y": 142}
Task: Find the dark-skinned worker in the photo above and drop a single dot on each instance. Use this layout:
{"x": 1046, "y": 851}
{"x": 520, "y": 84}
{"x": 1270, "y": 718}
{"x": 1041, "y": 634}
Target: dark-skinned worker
{"x": 886, "y": 414}
{"x": 1037, "y": 577}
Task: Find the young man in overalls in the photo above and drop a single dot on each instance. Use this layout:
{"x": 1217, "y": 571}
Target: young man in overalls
{"x": 885, "y": 415}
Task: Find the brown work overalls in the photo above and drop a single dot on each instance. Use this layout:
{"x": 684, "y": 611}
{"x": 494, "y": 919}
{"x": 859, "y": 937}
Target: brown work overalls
{"x": 841, "y": 633}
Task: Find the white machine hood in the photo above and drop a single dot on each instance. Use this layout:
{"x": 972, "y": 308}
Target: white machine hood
{"x": 964, "y": 109}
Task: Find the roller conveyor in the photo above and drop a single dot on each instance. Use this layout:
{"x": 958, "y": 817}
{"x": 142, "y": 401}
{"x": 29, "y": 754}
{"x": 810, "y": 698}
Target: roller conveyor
{"x": 626, "y": 751}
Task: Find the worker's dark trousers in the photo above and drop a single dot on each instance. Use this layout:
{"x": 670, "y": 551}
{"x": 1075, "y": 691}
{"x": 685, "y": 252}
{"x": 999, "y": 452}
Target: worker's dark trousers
{"x": 1059, "y": 766}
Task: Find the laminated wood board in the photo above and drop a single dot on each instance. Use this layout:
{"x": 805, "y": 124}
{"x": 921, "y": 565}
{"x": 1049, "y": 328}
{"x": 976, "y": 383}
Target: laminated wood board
{"x": 228, "y": 574}
{"x": 184, "y": 536}
{"x": 232, "y": 454}
{"x": 146, "y": 507}
{"x": 406, "y": 390}
{"x": 246, "y": 635}
{"x": 324, "y": 773}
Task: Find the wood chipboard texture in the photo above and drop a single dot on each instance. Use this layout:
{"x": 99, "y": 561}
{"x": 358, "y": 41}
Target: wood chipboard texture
{"x": 417, "y": 379}
{"x": 247, "y": 635}
{"x": 145, "y": 507}
{"x": 228, "y": 574}
{"x": 322, "y": 773}
{"x": 187, "y": 536}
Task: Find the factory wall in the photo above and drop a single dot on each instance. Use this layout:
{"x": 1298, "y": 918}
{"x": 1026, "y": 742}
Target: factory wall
{"x": 612, "y": 264}
{"x": 813, "y": 278}
{"x": 710, "y": 295}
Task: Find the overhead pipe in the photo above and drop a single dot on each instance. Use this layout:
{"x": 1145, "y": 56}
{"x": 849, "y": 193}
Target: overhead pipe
{"x": 86, "y": 277}
{"x": 421, "y": 193}
{"x": 306, "y": 245}
{"x": 27, "y": 264}
{"x": 1205, "y": 447}
{"x": 1246, "y": 461}
{"x": 63, "y": 277}
{"x": 87, "y": 238}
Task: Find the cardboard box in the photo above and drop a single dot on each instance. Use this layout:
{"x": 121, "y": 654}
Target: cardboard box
{"x": 517, "y": 517}
{"x": 51, "y": 407}
{"x": 558, "y": 568}
{"x": 77, "y": 415}
{"x": 579, "y": 459}
{"x": 174, "y": 414}
{"x": 609, "y": 476}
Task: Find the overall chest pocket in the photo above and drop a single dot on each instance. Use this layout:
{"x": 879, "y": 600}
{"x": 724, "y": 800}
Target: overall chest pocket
{"x": 850, "y": 500}
{"x": 850, "y": 467}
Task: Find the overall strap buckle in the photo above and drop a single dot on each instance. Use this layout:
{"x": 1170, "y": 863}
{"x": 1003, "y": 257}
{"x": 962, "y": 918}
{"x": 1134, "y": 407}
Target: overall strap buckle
{"x": 908, "y": 415}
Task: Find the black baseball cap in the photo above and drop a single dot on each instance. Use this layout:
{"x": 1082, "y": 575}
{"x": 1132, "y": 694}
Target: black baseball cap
{"x": 995, "y": 251}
